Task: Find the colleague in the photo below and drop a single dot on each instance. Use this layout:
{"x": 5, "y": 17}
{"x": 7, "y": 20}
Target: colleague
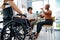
{"x": 48, "y": 19}
{"x": 31, "y": 16}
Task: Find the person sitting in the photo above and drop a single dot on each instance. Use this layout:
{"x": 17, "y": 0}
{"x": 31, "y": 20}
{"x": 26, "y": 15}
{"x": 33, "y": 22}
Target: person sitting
{"x": 48, "y": 19}
{"x": 31, "y": 16}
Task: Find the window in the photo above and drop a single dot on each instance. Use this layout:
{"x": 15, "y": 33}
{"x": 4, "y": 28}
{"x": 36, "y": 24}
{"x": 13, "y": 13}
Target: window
{"x": 58, "y": 14}
{"x": 37, "y": 5}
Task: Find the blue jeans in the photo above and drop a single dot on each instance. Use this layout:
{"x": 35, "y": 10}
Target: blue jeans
{"x": 40, "y": 24}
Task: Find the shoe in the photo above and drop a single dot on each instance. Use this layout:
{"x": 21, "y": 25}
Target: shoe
{"x": 37, "y": 35}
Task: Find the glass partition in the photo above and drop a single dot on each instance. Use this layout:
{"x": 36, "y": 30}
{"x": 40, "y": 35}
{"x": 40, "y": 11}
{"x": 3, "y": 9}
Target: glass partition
{"x": 57, "y": 14}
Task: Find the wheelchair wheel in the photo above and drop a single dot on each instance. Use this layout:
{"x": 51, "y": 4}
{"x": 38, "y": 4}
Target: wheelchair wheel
{"x": 11, "y": 31}
{"x": 32, "y": 36}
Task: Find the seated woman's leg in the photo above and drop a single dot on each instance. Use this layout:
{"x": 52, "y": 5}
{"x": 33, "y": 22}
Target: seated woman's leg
{"x": 32, "y": 24}
{"x": 27, "y": 22}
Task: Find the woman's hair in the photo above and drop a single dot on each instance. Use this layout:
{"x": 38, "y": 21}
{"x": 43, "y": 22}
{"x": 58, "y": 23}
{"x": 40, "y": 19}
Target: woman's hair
{"x": 7, "y": 0}
{"x": 3, "y": 6}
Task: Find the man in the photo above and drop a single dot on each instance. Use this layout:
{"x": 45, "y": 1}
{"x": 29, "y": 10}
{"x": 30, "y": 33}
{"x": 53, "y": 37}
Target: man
{"x": 48, "y": 19}
{"x": 31, "y": 17}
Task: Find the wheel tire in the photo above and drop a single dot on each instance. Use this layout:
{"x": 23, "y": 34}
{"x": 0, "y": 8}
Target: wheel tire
{"x": 4, "y": 30}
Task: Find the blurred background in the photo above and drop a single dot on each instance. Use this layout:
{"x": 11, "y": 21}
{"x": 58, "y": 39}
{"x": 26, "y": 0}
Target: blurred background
{"x": 36, "y": 4}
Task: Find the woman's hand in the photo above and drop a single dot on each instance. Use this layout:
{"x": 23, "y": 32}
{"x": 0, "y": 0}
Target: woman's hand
{"x": 23, "y": 17}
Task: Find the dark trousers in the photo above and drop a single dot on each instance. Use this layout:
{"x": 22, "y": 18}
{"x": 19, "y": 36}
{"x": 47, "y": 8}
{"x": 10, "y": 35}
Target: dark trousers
{"x": 7, "y": 14}
{"x": 40, "y": 24}
{"x": 6, "y": 20}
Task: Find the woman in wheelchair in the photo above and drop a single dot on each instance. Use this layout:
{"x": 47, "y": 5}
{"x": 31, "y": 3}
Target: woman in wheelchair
{"x": 8, "y": 7}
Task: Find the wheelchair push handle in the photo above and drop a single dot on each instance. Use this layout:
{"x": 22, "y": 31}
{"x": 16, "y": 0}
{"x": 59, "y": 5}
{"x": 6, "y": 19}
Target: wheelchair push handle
{"x": 21, "y": 15}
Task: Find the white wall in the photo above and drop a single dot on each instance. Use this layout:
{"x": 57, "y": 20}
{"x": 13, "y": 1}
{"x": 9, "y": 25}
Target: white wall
{"x": 19, "y": 3}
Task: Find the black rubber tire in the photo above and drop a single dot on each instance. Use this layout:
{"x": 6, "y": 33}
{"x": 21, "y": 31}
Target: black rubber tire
{"x": 4, "y": 30}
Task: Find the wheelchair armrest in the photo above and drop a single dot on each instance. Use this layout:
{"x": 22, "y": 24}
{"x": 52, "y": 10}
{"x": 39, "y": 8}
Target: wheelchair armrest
{"x": 21, "y": 15}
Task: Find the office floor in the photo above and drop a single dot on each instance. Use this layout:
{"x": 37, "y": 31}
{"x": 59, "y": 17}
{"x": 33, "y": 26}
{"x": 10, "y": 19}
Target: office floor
{"x": 45, "y": 35}
{"x": 42, "y": 36}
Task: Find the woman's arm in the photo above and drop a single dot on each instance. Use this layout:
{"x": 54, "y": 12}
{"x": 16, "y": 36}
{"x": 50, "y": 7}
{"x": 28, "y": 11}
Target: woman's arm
{"x": 15, "y": 7}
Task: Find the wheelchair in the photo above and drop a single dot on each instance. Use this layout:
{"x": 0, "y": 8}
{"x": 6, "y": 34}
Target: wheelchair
{"x": 16, "y": 30}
